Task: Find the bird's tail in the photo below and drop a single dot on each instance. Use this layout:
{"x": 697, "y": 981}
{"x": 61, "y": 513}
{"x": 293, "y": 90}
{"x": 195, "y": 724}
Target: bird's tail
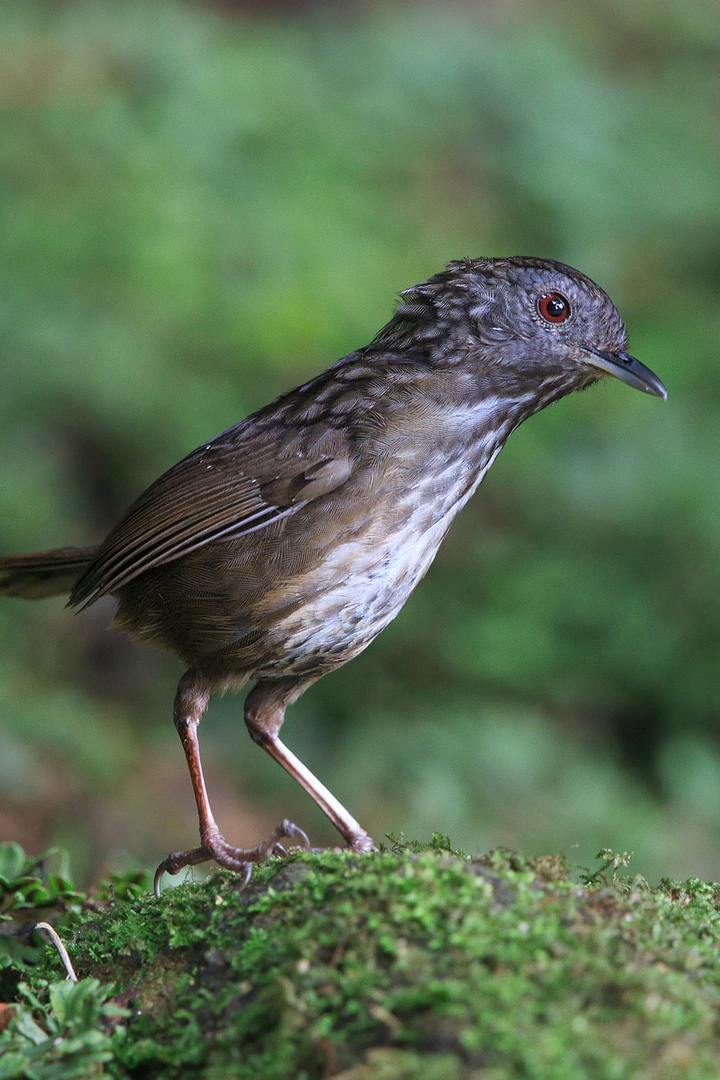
{"x": 48, "y": 573}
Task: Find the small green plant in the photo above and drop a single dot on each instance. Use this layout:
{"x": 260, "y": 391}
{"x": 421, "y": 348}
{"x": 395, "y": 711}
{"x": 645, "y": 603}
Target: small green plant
{"x": 26, "y": 882}
{"x": 28, "y": 890}
{"x": 62, "y": 1029}
{"x": 612, "y": 861}
{"x": 399, "y": 844}
{"x": 64, "y": 1035}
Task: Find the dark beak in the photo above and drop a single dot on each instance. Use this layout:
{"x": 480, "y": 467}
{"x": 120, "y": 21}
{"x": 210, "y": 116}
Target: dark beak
{"x": 628, "y": 370}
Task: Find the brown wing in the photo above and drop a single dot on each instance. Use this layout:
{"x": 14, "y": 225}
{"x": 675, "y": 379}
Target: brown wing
{"x": 242, "y": 481}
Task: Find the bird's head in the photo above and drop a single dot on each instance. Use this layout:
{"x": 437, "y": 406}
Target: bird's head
{"x": 531, "y": 322}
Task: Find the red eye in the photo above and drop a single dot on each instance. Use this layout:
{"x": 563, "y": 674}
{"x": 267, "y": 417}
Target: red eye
{"x": 554, "y": 307}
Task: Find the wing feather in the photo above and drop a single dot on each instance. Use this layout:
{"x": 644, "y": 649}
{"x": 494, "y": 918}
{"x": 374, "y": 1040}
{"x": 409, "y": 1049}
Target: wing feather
{"x": 240, "y": 482}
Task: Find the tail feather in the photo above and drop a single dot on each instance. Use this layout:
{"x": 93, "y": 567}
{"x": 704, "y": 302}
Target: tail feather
{"x": 48, "y": 573}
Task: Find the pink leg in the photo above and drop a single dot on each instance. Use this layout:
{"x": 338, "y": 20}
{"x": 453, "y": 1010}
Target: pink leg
{"x": 264, "y": 714}
{"x": 191, "y": 702}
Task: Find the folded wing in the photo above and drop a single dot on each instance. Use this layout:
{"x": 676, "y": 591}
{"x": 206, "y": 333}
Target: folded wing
{"x": 238, "y": 483}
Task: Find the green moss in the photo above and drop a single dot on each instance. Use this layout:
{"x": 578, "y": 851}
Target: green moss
{"x": 415, "y": 962}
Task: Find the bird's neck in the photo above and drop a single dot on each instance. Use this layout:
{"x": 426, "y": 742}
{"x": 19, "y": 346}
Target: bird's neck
{"x": 478, "y": 414}
{"x": 490, "y": 402}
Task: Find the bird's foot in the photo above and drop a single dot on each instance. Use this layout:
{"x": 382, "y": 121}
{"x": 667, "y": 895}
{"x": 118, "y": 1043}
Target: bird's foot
{"x": 215, "y": 846}
{"x": 361, "y": 842}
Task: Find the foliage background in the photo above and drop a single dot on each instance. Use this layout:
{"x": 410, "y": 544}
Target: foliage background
{"x": 203, "y": 206}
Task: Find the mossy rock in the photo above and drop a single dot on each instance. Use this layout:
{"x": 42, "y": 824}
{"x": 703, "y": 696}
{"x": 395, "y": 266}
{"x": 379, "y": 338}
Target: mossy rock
{"x": 412, "y": 963}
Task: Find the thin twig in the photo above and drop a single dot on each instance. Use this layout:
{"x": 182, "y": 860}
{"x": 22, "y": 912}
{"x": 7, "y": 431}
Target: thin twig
{"x": 64, "y": 955}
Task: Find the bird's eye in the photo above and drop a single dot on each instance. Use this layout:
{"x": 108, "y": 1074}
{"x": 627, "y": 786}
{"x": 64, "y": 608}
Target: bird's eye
{"x": 553, "y": 307}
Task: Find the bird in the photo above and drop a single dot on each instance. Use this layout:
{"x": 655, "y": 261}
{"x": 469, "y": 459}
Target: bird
{"x": 281, "y": 548}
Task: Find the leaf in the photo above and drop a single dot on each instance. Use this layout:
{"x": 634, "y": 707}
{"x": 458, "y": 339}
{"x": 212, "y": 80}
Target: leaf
{"x": 26, "y": 1026}
{"x": 13, "y": 861}
{"x": 13, "y": 1066}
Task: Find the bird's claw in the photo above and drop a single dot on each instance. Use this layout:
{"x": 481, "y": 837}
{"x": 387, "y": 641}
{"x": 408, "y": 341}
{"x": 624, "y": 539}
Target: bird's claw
{"x": 158, "y": 876}
{"x": 293, "y": 832}
{"x": 239, "y": 860}
{"x": 287, "y": 831}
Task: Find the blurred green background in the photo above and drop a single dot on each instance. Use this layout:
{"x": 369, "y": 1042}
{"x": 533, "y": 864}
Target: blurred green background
{"x": 203, "y": 206}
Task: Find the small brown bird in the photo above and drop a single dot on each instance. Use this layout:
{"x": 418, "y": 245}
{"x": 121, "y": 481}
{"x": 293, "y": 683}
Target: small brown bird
{"x": 281, "y": 548}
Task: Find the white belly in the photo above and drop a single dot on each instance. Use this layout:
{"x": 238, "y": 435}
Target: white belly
{"x": 372, "y": 579}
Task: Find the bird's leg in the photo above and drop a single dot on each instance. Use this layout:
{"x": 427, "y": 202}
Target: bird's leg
{"x": 191, "y": 702}
{"x": 264, "y": 714}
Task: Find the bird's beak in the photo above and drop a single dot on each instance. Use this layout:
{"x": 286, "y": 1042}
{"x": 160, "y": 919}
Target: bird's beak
{"x": 628, "y": 370}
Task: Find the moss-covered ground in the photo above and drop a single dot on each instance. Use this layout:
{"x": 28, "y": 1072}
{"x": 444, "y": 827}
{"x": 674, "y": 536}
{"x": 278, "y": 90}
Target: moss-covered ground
{"x": 414, "y": 962}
